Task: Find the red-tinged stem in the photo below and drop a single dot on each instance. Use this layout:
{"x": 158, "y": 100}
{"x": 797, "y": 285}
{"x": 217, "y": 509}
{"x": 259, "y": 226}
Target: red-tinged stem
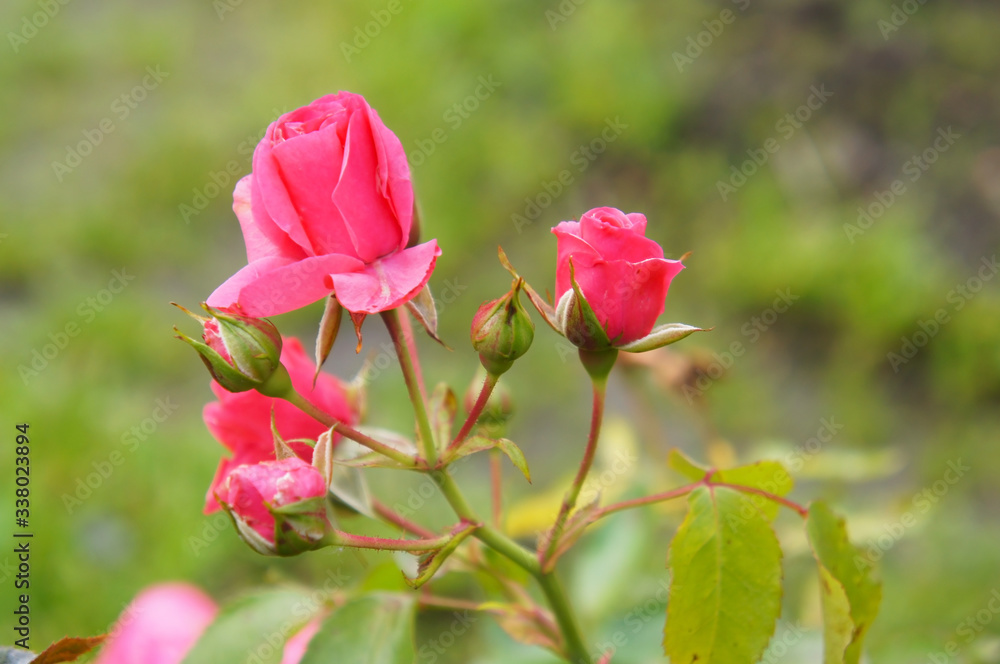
{"x": 391, "y": 516}
{"x": 802, "y": 511}
{"x": 496, "y": 480}
{"x": 649, "y": 500}
{"x": 406, "y": 327}
{"x": 569, "y": 502}
{"x": 346, "y": 431}
{"x": 407, "y": 364}
{"x": 489, "y": 383}
{"x": 340, "y": 538}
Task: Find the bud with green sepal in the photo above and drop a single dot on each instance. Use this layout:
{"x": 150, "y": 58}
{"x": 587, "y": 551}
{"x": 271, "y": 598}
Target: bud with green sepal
{"x": 502, "y": 331}
{"x": 241, "y": 353}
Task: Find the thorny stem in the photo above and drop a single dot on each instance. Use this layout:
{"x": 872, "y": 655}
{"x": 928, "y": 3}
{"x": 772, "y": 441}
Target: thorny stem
{"x": 408, "y": 363}
{"x": 346, "y": 431}
{"x": 492, "y": 537}
{"x": 569, "y": 502}
{"x": 489, "y": 383}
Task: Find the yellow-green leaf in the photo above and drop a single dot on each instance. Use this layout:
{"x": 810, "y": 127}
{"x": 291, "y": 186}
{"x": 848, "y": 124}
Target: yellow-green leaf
{"x": 725, "y": 593}
{"x": 850, "y": 593}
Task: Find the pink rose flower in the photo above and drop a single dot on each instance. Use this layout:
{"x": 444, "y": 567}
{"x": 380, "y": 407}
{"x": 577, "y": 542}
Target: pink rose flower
{"x": 250, "y": 490}
{"x": 328, "y": 207}
{"x": 242, "y": 421}
{"x": 160, "y": 626}
{"x": 621, "y": 273}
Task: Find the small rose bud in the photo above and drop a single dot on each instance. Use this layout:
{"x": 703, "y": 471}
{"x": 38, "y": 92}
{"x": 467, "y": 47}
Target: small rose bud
{"x": 241, "y": 353}
{"x": 502, "y": 331}
{"x": 279, "y": 507}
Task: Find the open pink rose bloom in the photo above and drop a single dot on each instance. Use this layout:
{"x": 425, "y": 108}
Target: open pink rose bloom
{"x": 621, "y": 273}
{"x": 327, "y": 208}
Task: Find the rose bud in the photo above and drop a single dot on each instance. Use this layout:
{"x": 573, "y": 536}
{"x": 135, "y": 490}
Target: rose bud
{"x": 611, "y": 283}
{"x": 241, "y": 353}
{"x": 502, "y": 331}
{"x": 279, "y": 507}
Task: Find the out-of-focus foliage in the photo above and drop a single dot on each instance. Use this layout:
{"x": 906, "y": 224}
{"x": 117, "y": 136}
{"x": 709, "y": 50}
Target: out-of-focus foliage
{"x": 580, "y": 104}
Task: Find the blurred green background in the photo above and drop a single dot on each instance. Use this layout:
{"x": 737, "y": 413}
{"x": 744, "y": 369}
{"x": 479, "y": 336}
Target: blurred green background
{"x": 688, "y": 93}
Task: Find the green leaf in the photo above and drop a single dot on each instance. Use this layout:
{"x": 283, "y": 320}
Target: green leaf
{"x": 475, "y": 444}
{"x": 768, "y": 476}
{"x": 424, "y": 310}
{"x": 850, "y": 593}
{"x": 725, "y": 593}
{"x": 431, "y": 562}
{"x": 686, "y": 466}
{"x": 373, "y": 629}
{"x": 254, "y": 625}
{"x": 442, "y": 408}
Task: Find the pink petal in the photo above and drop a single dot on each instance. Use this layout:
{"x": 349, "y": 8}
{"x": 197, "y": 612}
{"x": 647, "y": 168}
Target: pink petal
{"x": 617, "y": 236}
{"x": 310, "y": 166}
{"x": 393, "y": 173}
{"x": 371, "y": 220}
{"x": 569, "y": 243}
{"x": 270, "y": 197}
{"x": 262, "y": 237}
{"x": 275, "y": 285}
{"x": 160, "y": 626}
{"x": 296, "y": 646}
{"x": 386, "y": 283}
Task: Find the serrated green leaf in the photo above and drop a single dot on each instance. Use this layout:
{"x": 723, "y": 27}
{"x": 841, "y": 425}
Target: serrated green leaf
{"x": 686, "y": 466}
{"x": 373, "y": 629}
{"x": 850, "y": 594}
{"x": 725, "y": 593}
{"x": 442, "y": 408}
{"x": 768, "y": 476}
{"x": 254, "y": 625}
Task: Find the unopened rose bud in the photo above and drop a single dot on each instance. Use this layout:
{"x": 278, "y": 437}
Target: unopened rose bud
{"x": 279, "y": 507}
{"x": 502, "y": 331}
{"x": 241, "y": 353}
